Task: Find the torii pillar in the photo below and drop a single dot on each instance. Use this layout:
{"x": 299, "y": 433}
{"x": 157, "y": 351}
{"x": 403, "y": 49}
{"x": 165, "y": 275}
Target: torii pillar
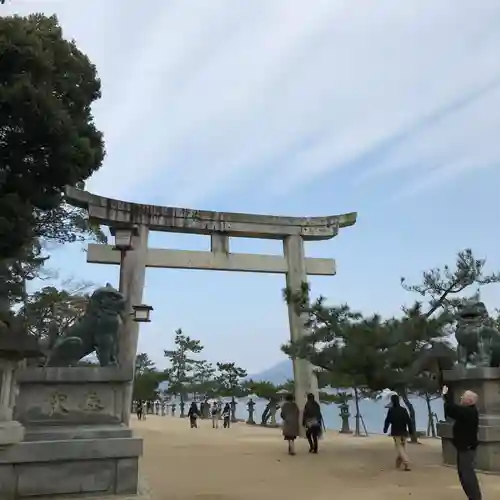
{"x": 220, "y": 226}
{"x": 305, "y": 380}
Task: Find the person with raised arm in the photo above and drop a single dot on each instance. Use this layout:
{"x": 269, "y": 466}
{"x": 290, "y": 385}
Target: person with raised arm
{"x": 464, "y": 439}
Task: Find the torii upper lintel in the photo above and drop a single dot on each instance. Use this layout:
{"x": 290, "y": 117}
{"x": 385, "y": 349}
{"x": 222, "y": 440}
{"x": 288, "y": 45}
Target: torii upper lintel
{"x": 182, "y": 220}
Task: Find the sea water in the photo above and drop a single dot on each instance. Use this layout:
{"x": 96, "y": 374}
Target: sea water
{"x": 372, "y": 412}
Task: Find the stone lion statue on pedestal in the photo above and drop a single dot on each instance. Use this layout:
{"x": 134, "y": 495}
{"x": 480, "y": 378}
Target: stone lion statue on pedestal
{"x": 96, "y": 331}
{"x": 478, "y": 339}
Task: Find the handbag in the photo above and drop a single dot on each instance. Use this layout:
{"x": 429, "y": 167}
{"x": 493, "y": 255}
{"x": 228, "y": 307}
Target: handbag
{"x": 312, "y": 422}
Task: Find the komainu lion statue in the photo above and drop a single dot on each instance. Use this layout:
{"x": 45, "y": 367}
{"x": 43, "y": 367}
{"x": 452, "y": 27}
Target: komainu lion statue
{"x": 97, "y": 330}
{"x": 478, "y": 339}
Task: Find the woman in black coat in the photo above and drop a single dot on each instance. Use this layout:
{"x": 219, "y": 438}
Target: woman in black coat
{"x": 312, "y": 420}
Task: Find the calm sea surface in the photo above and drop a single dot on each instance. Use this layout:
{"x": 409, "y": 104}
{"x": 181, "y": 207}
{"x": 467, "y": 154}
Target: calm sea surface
{"x": 373, "y": 413}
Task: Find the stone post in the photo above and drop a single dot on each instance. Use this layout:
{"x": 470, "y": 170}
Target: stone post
{"x": 303, "y": 374}
{"x": 272, "y": 419}
{"x": 344, "y": 416}
{"x": 11, "y": 431}
{"x": 132, "y": 274}
{"x": 251, "y": 409}
{"x": 233, "y": 410}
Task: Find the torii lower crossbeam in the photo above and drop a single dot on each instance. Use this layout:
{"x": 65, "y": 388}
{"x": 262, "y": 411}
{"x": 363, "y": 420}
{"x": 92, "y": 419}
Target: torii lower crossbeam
{"x": 215, "y": 261}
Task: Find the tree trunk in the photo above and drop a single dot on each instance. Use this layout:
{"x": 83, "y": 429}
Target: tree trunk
{"x": 266, "y": 414}
{"x": 182, "y": 406}
{"x": 411, "y": 410}
{"x": 357, "y": 429}
{"x": 233, "y": 410}
{"x": 430, "y": 414}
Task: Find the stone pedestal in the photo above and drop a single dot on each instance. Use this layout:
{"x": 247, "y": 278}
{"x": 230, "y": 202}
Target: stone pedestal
{"x": 486, "y": 383}
{"x": 11, "y": 432}
{"x": 75, "y": 440}
{"x": 251, "y": 410}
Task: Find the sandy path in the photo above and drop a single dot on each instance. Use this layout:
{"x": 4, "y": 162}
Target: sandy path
{"x": 250, "y": 463}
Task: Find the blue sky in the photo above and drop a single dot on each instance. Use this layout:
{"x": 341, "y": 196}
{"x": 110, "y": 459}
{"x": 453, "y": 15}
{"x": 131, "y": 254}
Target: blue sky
{"x": 290, "y": 107}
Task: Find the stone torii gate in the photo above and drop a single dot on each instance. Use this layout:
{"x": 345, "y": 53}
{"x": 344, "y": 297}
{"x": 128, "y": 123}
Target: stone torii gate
{"x": 220, "y": 226}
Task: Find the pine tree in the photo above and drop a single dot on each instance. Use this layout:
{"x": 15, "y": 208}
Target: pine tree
{"x": 180, "y": 373}
{"x": 229, "y": 382}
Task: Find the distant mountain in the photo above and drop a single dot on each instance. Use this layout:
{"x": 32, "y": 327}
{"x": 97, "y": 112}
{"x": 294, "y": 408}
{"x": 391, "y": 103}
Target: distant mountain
{"x": 277, "y": 374}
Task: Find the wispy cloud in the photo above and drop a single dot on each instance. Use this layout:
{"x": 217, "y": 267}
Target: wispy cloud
{"x": 462, "y": 123}
{"x": 208, "y": 95}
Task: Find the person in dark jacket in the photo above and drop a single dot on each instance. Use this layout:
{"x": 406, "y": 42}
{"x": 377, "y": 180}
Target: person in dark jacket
{"x": 401, "y": 426}
{"x": 226, "y": 416}
{"x": 465, "y": 440}
{"x": 138, "y": 409}
{"x": 193, "y": 415}
{"x": 312, "y": 420}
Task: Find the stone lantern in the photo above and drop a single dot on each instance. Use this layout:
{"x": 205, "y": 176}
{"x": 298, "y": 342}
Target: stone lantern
{"x": 15, "y": 346}
{"x": 251, "y": 409}
{"x": 344, "y": 416}
{"x": 282, "y": 395}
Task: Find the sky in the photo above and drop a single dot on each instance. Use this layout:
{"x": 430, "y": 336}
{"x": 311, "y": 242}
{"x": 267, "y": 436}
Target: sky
{"x": 293, "y": 107}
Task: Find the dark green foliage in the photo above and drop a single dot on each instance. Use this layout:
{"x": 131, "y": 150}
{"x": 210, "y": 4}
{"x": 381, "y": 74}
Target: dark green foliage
{"x": 229, "y": 380}
{"x": 182, "y": 365}
{"x": 203, "y": 379}
{"x": 66, "y": 224}
{"x": 47, "y": 135}
{"x": 324, "y": 397}
{"x": 262, "y": 389}
{"x": 16, "y": 273}
{"x": 146, "y": 386}
{"x": 366, "y": 354}
{"x": 410, "y": 338}
{"x": 341, "y": 342}
{"x": 496, "y": 319}
{"x": 50, "y": 310}
{"x": 147, "y": 379}
{"x": 143, "y": 364}
{"x": 441, "y": 286}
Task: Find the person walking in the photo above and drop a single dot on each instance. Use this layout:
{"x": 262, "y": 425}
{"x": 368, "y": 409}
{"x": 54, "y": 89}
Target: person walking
{"x": 226, "y": 416}
{"x": 401, "y": 426}
{"x": 215, "y": 415}
{"x": 138, "y": 409}
{"x": 312, "y": 420}
{"x": 290, "y": 416}
{"x": 193, "y": 415}
{"x": 464, "y": 439}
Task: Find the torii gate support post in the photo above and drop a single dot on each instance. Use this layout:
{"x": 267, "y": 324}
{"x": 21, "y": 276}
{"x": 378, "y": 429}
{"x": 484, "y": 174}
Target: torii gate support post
{"x": 303, "y": 372}
{"x": 133, "y": 275}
